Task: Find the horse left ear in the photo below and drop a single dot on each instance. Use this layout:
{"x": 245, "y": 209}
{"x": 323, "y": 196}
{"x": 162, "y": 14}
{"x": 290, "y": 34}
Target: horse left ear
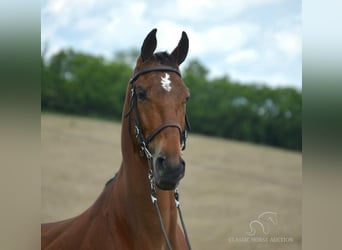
{"x": 181, "y": 51}
{"x": 149, "y": 45}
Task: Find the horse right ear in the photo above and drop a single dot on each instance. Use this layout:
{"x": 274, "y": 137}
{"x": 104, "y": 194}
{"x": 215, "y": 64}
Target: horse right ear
{"x": 181, "y": 51}
{"x": 149, "y": 45}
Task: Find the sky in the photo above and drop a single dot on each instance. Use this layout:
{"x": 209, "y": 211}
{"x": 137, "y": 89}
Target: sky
{"x": 250, "y": 41}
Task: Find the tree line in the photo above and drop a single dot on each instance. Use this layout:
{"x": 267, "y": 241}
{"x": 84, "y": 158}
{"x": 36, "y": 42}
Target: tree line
{"x": 79, "y": 83}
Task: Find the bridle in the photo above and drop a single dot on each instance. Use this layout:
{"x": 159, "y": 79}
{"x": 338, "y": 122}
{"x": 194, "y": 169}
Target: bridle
{"x": 144, "y": 142}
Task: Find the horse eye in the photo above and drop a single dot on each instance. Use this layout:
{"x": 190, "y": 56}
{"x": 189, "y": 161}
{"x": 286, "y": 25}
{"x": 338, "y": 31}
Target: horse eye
{"x": 141, "y": 94}
{"x": 187, "y": 99}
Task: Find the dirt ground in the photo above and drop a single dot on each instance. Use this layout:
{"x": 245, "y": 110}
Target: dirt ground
{"x": 227, "y": 184}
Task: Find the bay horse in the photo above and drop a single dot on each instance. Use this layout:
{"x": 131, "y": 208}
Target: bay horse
{"x": 153, "y": 134}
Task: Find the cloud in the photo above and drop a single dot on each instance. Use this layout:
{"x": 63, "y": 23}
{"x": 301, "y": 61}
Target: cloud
{"x": 229, "y": 37}
{"x": 97, "y": 26}
{"x": 220, "y": 40}
{"x": 288, "y": 42}
{"x": 55, "y": 7}
{"x": 210, "y": 11}
{"x": 272, "y": 79}
{"x": 244, "y": 56}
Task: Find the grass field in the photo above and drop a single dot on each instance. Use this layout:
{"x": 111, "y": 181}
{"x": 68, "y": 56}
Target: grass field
{"x": 227, "y": 184}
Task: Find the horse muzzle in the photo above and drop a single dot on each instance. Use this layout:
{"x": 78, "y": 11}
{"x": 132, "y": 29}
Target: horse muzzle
{"x": 167, "y": 174}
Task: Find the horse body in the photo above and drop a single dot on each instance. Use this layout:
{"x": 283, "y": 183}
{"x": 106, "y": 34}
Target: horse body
{"x": 123, "y": 216}
{"x": 104, "y": 226}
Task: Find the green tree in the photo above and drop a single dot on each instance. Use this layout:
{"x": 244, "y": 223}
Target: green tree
{"x": 80, "y": 83}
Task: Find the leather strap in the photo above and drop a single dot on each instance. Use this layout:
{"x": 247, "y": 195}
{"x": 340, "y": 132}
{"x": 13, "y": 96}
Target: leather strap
{"x": 160, "y": 128}
{"x": 138, "y": 73}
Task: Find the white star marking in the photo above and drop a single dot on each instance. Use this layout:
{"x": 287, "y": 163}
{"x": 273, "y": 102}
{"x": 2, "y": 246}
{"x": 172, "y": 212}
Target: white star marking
{"x": 165, "y": 81}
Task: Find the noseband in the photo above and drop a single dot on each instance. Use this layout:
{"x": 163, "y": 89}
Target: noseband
{"x": 143, "y": 143}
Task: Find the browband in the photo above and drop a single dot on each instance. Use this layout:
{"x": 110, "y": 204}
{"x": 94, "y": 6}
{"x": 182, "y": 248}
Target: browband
{"x": 136, "y": 73}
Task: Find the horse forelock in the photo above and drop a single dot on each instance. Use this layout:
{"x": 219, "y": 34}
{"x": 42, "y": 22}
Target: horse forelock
{"x": 162, "y": 58}
{"x": 166, "y": 59}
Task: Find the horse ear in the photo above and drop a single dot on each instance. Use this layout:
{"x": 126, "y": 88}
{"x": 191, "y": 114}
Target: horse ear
{"x": 149, "y": 45}
{"x": 181, "y": 51}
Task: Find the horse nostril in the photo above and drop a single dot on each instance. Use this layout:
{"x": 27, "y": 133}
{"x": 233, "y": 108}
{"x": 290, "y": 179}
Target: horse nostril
{"x": 168, "y": 172}
{"x": 161, "y": 162}
{"x": 164, "y": 164}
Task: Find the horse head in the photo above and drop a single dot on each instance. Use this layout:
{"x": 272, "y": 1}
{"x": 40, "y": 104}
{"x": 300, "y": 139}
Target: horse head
{"x": 158, "y": 100}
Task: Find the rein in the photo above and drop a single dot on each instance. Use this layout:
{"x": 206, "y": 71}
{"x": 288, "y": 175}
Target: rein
{"x": 143, "y": 145}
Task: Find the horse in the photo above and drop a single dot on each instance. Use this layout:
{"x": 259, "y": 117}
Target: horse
{"x": 137, "y": 208}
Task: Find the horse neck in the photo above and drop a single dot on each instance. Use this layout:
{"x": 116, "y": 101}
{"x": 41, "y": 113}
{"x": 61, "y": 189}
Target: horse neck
{"x": 135, "y": 186}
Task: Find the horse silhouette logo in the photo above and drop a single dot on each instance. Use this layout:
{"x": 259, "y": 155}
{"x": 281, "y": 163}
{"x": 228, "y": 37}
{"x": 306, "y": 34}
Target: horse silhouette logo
{"x": 263, "y": 221}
